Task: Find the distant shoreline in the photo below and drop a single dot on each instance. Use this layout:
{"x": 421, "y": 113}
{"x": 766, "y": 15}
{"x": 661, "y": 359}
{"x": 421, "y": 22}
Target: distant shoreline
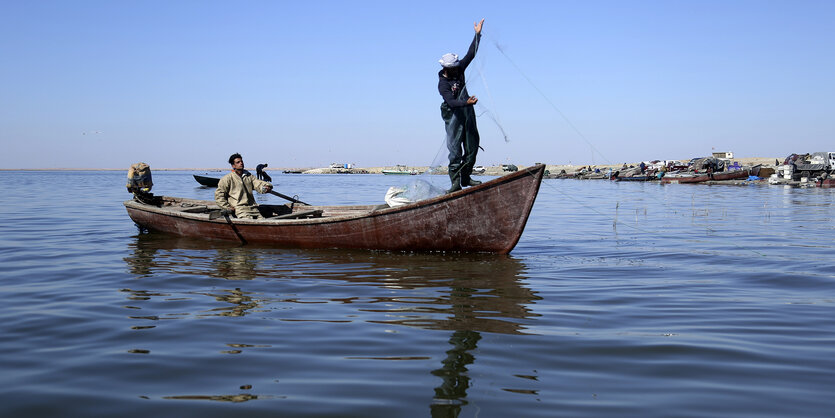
{"x": 489, "y": 170}
{"x": 111, "y": 169}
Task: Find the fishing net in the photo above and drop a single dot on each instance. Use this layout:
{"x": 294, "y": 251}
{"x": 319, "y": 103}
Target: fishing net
{"x": 415, "y": 191}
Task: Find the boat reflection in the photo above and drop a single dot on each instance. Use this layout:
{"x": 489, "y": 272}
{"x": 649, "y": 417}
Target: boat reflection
{"x": 475, "y": 292}
{"x": 154, "y": 252}
{"x": 466, "y": 294}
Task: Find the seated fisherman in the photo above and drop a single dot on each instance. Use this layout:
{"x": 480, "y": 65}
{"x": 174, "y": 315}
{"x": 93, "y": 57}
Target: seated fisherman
{"x": 234, "y": 190}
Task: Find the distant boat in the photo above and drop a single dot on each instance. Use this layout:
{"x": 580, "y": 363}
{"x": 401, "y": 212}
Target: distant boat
{"x": 401, "y": 170}
{"x": 489, "y": 217}
{"x": 635, "y": 178}
{"x": 703, "y": 177}
{"x": 206, "y": 181}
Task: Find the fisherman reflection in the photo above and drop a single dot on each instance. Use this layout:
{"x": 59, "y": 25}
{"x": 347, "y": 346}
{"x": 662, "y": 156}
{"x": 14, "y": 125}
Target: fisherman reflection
{"x": 153, "y": 254}
{"x": 235, "y": 263}
{"x": 464, "y": 293}
{"x": 241, "y": 303}
{"x": 451, "y": 395}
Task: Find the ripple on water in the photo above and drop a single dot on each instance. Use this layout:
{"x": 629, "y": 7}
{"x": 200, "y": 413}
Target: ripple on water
{"x": 620, "y": 299}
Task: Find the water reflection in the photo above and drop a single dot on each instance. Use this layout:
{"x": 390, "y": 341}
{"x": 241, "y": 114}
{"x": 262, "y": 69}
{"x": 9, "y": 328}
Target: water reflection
{"x": 475, "y": 292}
{"x": 451, "y": 394}
{"x": 243, "y": 397}
{"x": 235, "y": 264}
{"x": 466, "y": 294}
{"x": 153, "y": 252}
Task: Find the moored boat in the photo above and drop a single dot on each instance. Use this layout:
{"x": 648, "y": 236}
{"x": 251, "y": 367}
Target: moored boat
{"x": 206, "y": 181}
{"x": 635, "y": 178}
{"x": 826, "y": 183}
{"x": 703, "y": 177}
{"x": 486, "y": 218}
{"x": 400, "y": 170}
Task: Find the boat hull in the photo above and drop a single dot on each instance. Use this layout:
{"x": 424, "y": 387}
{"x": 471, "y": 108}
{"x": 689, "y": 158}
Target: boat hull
{"x": 399, "y": 173}
{"x": 826, "y": 183}
{"x": 634, "y": 178}
{"x": 206, "y": 181}
{"x": 486, "y": 218}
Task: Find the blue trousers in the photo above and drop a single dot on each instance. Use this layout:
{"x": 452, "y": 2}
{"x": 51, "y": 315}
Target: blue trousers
{"x": 462, "y": 141}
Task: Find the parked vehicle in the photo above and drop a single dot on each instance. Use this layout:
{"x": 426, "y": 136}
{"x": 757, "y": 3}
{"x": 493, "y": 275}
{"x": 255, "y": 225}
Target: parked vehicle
{"x": 815, "y": 165}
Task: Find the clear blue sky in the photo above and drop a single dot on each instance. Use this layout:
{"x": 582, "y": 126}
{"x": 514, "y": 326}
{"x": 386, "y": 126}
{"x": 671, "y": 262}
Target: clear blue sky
{"x": 103, "y": 84}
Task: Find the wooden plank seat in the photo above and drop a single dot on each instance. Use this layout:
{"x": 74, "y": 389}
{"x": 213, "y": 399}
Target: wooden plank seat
{"x": 314, "y": 213}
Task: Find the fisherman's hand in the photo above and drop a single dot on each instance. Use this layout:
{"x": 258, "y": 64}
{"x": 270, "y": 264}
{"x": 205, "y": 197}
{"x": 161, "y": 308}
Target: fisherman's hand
{"x": 472, "y": 100}
{"x": 477, "y": 26}
{"x": 268, "y": 188}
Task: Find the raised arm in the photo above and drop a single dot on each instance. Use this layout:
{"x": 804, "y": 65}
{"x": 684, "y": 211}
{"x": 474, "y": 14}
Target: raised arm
{"x": 473, "y": 46}
{"x": 477, "y": 26}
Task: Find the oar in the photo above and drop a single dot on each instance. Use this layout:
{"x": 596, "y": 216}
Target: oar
{"x": 234, "y": 228}
{"x": 214, "y": 214}
{"x": 288, "y": 198}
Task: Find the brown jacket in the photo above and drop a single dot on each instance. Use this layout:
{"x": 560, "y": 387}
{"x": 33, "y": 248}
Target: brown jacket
{"x": 235, "y": 192}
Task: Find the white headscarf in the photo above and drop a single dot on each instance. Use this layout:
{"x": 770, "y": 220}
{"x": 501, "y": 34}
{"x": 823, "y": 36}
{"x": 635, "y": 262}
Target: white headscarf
{"x": 449, "y": 60}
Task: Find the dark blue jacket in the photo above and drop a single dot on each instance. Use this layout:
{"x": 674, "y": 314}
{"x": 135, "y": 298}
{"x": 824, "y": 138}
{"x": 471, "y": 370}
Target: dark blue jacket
{"x": 454, "y": 90}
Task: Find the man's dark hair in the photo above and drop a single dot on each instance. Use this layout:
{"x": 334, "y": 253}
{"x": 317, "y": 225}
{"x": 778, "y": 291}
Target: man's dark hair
{"x": 232, "y": 158}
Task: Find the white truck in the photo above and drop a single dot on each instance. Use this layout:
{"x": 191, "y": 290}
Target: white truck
{"x": 809, "y": 166}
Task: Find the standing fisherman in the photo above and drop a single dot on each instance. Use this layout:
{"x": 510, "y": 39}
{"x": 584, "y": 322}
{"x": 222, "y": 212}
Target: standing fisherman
{"x": 260, "y": 174}
{"x": 459, "y": 116}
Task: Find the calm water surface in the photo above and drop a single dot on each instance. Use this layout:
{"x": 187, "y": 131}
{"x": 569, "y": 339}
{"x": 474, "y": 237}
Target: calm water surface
{"x": 620, "y": 299}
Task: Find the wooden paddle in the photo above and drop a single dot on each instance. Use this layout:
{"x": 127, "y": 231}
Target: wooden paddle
{"x": 288, "y": 198}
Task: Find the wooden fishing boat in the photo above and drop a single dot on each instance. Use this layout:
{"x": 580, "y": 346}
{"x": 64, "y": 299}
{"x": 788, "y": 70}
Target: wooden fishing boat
{"x": 206, "y": 181}
{"x": 703, "y": 177}
{"x": 635, "y": 178}
{"x": 489, "y": 217}
{"x": 826, "y": 183}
